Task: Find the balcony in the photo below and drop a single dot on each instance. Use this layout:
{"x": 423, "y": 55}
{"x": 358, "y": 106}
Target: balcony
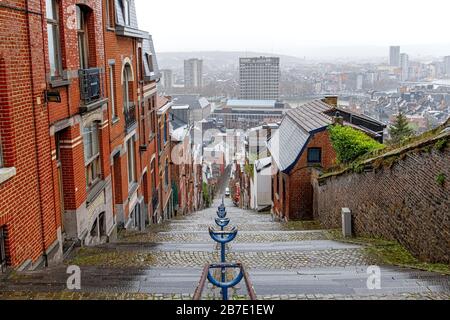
{"x": 91, "y": 89}
{"x": 130, "y": 116}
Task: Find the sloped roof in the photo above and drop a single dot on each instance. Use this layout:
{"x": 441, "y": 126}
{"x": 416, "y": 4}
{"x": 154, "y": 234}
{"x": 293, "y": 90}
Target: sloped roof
{"x": 251, "y": 103}
{"x": 263, "y": 163}
{"x": 193, "y": 100}
{"x": 148, "y": 49}
{"x": 120, "y": 16}
{"x": 297, "y": 127}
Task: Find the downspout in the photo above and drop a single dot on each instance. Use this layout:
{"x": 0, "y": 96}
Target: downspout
{"x": 44, "y": 253}
{"x": 48, "y": 118}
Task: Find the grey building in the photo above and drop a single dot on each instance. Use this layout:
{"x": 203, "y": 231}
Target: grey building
{"x": 166, "y": 79}
{"x": 404, "y": 64}
{"x": 193, "y": 73}
{"x": 259, "y": 78}
{"x": 394, "y": 56}
{"x": 447, "y": 65}
{"x": 190, "y": 108}
{"x": 245, "y": 114}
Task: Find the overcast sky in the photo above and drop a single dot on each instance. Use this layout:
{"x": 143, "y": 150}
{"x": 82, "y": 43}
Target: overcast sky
{"x": 291, "y": 26}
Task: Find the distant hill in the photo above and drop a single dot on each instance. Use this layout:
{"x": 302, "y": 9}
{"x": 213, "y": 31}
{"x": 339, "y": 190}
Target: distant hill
{"x": 218, "y": 59}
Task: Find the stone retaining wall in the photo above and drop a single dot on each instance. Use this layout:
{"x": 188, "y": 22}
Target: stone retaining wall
{"x": 396, "y": 197}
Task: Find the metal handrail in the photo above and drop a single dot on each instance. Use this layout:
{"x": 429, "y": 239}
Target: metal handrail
{"x": 243, "y": 274}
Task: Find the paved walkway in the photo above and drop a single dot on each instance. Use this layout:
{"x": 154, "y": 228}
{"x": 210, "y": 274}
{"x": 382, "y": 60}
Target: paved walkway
{"x": 165, "y": 262}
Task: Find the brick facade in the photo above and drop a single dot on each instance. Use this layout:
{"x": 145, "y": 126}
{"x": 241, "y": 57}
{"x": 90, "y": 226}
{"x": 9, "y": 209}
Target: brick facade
{"x": 397, "y": 197}
{"x": 292, "y": 192}
{"x": 64, "y": 174}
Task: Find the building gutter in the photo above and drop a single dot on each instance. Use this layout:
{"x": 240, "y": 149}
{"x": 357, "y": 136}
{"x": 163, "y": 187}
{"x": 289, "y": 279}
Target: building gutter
{"x": 36, "y": 151}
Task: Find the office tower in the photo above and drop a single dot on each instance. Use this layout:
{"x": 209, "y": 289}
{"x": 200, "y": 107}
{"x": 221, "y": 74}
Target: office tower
{"x": 404, "y": 64}
{"x": 394, "y": 56}
{"x": 193, "y": 73}
{"x": 167, "y": 78}
{"x": 259, "y": 78}
{"x": 447, "y": 65}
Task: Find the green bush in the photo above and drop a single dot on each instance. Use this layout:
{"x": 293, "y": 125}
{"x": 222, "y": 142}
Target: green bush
{"x": 350, "y": 143}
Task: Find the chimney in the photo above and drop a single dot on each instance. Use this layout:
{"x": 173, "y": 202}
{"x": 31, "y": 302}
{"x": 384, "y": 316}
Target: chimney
{"x": 331, "y": 100}
{"x": 338, "y": 119}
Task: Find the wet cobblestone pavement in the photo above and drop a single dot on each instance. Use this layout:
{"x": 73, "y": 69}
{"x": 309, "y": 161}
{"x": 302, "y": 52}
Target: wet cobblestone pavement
{"x": 285, "y": 261}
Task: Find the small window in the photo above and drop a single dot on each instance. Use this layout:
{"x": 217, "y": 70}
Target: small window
{"x": 314, "y": 155}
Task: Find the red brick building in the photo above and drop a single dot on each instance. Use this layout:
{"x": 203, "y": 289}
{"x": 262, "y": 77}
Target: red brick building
{"x": 78, "y": 126}
{"x": 163, "y": 157}
{"x": 182, "y": 168}
{"x": 30, "y": 215}
{"x": 301, "y": 144}
{"x": 131, "y": 85}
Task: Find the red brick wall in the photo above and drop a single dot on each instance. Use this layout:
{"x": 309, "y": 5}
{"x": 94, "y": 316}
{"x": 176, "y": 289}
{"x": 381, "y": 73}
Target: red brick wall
{"x": 297, "y": 203}
{"x": 27, "y": 202}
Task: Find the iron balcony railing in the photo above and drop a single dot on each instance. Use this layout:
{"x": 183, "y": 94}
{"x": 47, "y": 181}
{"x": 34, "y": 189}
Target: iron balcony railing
{"x": 90, "y": 85}
{"x": 130, "y": 115}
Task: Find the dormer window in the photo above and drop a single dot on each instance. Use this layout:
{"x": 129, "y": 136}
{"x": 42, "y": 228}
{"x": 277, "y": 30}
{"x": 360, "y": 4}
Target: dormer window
{"x": 126, "y": 11}
{"x": 148, "y": 58}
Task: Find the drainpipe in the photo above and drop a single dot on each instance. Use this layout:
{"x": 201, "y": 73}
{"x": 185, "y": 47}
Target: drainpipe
{"x": 48, "y": 120}
{"x": 41, "y": 209}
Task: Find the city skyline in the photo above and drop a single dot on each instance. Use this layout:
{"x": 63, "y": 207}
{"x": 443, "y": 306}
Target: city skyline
{"x": 355, "y": 35}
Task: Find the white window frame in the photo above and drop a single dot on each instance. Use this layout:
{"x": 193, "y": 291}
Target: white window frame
{"x": 92, "y": 159}
{"x": 112, "y": 90}
{"x": 53, "y": 22}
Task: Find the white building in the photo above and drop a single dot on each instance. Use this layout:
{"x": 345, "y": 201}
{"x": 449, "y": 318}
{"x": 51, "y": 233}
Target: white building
{"x": 261, "y": 184}
{"x": 447, "y": 65}
{"x": 394, "y": 56}
{"x": 193, "y": 73}
{"x": 166, "y": 79}
{"x": 259, "y": 78}
{"x": 404, "y": 64}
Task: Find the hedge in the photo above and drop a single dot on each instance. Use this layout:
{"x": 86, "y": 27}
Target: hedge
{"x": 350, "y": 143}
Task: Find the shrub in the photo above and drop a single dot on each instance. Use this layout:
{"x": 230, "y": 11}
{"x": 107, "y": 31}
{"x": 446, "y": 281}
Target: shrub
{"x": 440, "y": 145}
{"x": 440, "y": 179}
{"x": 350, "y": 143}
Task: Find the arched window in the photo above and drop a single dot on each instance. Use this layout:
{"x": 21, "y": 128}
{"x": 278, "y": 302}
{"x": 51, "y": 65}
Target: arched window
{"x": 91, "y": 154}
{"x": 127, "y": 88}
